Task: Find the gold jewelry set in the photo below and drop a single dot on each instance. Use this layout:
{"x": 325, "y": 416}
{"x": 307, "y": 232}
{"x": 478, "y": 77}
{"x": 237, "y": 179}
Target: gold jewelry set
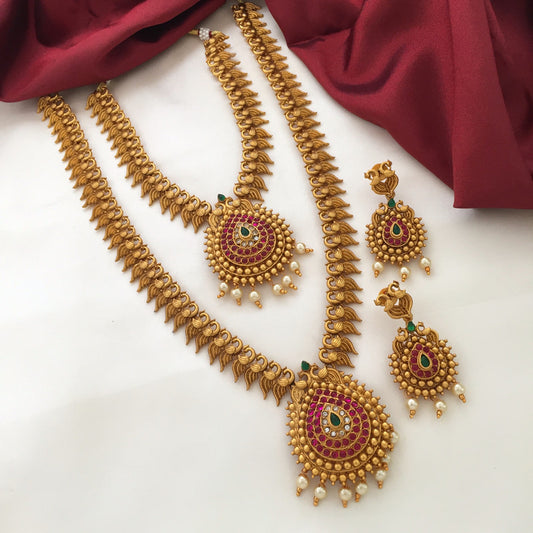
{"x": 338, "y": 429}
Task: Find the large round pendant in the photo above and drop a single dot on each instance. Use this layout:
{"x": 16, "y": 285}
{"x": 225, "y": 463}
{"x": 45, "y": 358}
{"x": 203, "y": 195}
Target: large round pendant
{"x": 339, "y": 432}
{"x": 247, "y": 245}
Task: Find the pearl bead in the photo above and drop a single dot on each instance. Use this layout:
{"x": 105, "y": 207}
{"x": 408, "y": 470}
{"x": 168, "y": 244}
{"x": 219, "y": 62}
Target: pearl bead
{"x": 440, "y": 406}
{"x": 404, "y": 271}
{"x": 320, "y": 493}
{"x": 380, "y": 475}
{"x": 394, "y": 437}
{"x": 425, "y": 262}
{"x": 378, "y": 266}
{"x": 458, "y": 389}
{"x": 386, "y": 459}
{"x": 237, "y": 294}
{"x": 302, "y": 482}
{"x": 361, "y": 489}
{"x": 254, "y": 296}
{"x": 286, "y": 281}
{"x": 223, "y": 287}
{"x": 345, "y": 494}
{"x": 276, "y": 289}
{"x": 294, "y": 266}
{"x": 300, "y": 248}
{"x": 412, "y": 404}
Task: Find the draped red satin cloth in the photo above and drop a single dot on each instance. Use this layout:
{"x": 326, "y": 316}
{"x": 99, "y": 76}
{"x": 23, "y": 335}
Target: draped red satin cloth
{"x": 452, "y": 81}
{"x": 51, "y": 45}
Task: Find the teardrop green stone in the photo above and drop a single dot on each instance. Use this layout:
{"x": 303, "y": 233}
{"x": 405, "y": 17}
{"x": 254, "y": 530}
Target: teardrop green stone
{"x": 334, "y": 419}
{"x": 391, "y": 202}
{"x": 305, "y": 366}
{"x": 245, "y": 231}
{"x": 396, "y": 230}
{"x": 221, "y": 198}
{"x": 411, "y": 326}
{"x": 424, "y": 361}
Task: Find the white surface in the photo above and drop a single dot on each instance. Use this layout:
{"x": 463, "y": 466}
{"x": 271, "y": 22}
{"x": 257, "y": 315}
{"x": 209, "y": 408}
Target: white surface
{"x": 108, "y": 422}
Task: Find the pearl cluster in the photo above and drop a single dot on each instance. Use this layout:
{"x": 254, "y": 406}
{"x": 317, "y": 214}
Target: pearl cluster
{"x": 425, "y": 263}
{"x": 345, "y": 493}
{"x": 236, "y": 293}
{"x": 204, "y": 33}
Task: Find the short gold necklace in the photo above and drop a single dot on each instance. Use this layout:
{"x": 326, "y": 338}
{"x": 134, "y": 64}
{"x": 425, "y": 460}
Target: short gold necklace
{"x": 337, "y": 428}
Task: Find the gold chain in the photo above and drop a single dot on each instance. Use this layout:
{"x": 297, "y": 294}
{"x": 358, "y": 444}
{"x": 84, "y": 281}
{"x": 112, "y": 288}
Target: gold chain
{"x": 336, "y": 347}
{"x": 146, "y": 270}
{"x": 172, "y": 198}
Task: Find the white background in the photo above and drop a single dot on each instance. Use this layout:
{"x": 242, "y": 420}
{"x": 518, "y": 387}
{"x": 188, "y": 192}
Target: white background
{"x": 108, "y": 422}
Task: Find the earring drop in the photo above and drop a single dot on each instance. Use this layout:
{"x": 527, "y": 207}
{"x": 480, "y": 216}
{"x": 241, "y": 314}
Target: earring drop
{"x": 395, "y": 234}
{"x": 421, "y": 362}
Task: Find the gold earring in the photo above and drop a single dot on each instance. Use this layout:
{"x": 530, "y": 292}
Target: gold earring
{"x": 395, "y": 235}
{"x": 421, "y": 363}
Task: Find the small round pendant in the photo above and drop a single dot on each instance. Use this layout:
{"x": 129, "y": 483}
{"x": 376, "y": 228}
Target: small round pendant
{"x": 247, "y": 244}
{"x": 339, "y": 432}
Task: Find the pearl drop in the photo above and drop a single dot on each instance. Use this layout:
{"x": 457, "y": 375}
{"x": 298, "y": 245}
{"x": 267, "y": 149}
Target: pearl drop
{"x": 386, "y": 459}
{"x": 404, "y": 271}
{"x": 380, "y": 475}
{"x": 345, "y": 495}
{"x": 458, "y": 389}
{"x": 394, "y": 437}
{"x": 320, "y": 493}
{"x": 286, "y": 281}
{"x": 237, "y": 294}
{"x": 294, "y": 266}
{"x": 378, "y": 266}
{"x": 276, "y": 289}
{"x": 440, "y": 406}
{"x": 412, "y": 404}
{"x": 254, "y": 296}
{"x": 300, "y": 248}
{"x": 361, "y": 489}
{"x": 223, "y": 287}
{"x": 425, "y": 262}
{"x": 302, "y": 482}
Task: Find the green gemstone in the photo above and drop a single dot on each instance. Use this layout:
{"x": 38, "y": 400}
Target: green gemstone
{"x": 396, "y": 230}
{"x": 221, "y": 198}
{"x": 245, "y": 231}
{"x": 424, "y": 361}
{"x": 305, "y": 366}
{"x": 334, "y": 419}
{"x": 411, "y": 326}
{"x": 391, "y": 202}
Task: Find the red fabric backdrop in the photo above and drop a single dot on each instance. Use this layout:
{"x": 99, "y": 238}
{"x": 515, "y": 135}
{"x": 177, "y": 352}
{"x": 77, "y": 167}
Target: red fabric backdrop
{"x": 51, "y": 45}
{"x": 451, "y": 81}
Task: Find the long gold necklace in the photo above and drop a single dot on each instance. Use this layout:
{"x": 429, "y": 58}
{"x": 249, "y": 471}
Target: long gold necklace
{"x": 337, "y": 428}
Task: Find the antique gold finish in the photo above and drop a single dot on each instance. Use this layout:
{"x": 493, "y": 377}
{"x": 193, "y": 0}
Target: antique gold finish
{"x": 342, "y": 289}
{"x": 422, "y": 363}
{"x": 395, "y": 234}
{"x": 179, "y": 307}
{"x": 249, "y": 265}
{"x": 338, "y": 429}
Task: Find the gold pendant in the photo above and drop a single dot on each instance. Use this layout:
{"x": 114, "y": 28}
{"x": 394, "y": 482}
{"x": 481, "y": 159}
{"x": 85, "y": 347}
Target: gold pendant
{"x": 339, "y": 432}
{"x": 395, "y": 234}
{"x": 247, "y": 244}
{"x": 422, "y": 363}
